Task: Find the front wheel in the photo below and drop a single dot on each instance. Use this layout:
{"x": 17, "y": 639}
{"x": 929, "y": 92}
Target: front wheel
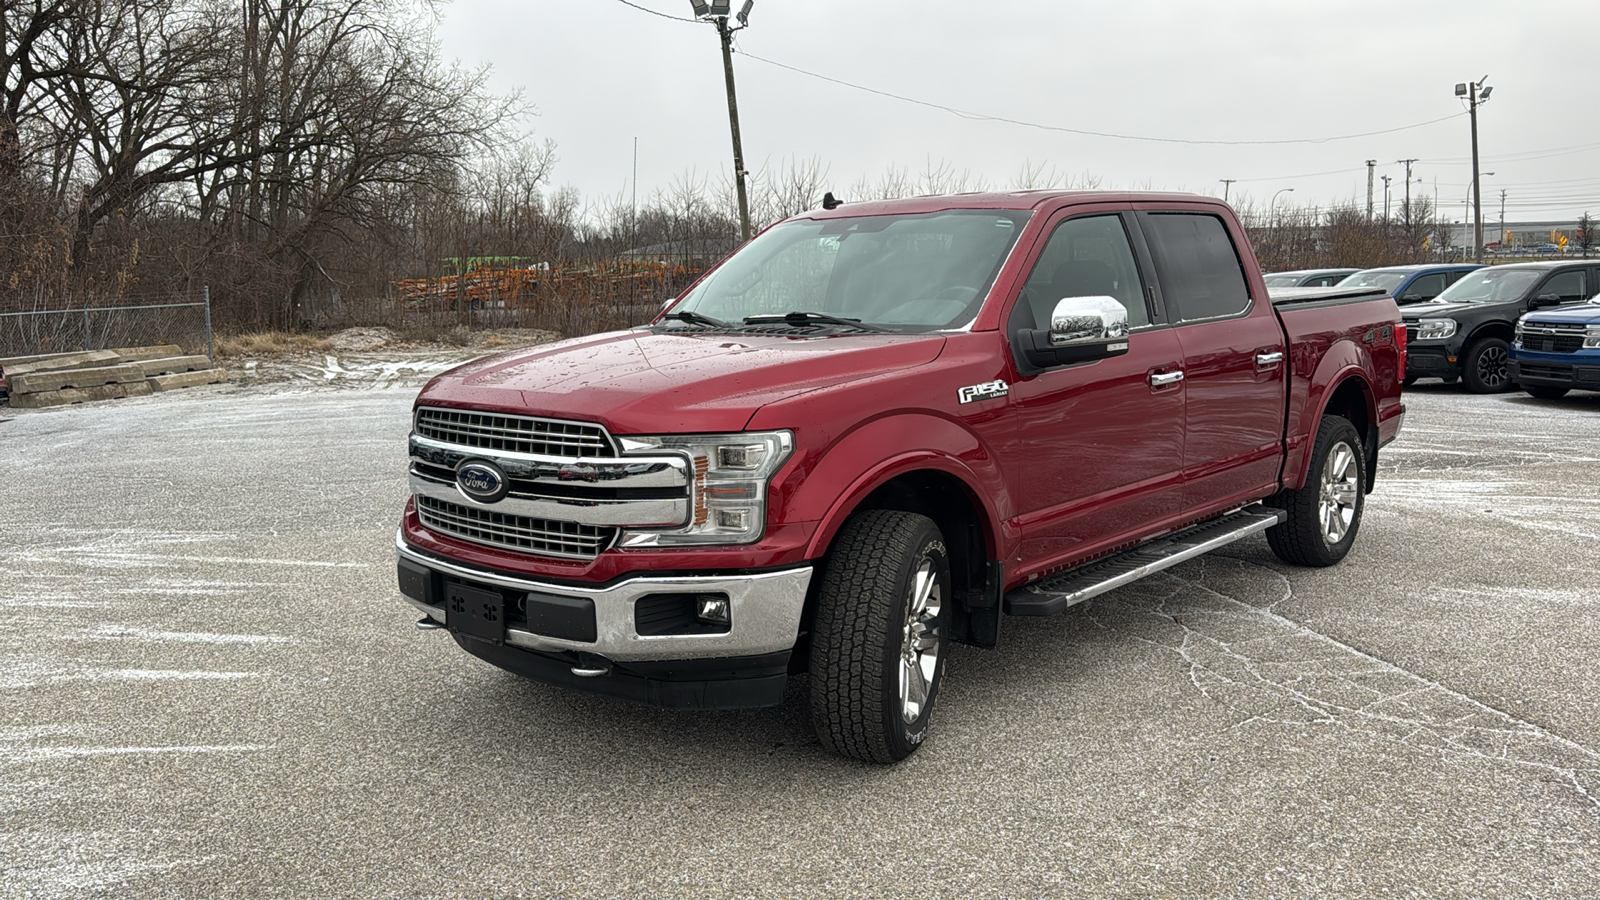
{"x": 877, "y": 644}
{"x": 1484, "y": 369}
{"x": 1324, "y": 514}
{"x": 1546, "y": 392}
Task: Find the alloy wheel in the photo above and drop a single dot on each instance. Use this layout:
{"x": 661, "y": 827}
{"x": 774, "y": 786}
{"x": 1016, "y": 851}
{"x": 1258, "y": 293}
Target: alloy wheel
{"x": 921, "y": 642}
{"x": 1336, "y": 507}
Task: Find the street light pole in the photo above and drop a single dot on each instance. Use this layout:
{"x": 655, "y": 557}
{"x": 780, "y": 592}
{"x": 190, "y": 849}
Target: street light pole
{"x": 1476, "y": 92}
{"x": 717, "y": 13}
{"x": 1274, "y": 202}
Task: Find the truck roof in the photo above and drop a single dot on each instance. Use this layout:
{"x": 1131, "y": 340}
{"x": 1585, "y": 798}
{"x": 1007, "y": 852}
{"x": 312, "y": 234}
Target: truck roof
{"x": 999, "y": 200}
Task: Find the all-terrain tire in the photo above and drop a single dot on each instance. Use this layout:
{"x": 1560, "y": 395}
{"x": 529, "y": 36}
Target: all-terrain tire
{"x": 1325, "y": 513}
{"x": 1484, "y": 369}
{"x": 883, "y": 565}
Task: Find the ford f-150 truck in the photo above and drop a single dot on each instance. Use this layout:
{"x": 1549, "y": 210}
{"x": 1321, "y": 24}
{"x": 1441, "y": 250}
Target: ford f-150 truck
{"x": 873, "y": 431}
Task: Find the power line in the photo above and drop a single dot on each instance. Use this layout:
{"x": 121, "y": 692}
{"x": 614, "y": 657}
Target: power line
{"x": 968, "y": 114}
{"x": 661, "y": 14}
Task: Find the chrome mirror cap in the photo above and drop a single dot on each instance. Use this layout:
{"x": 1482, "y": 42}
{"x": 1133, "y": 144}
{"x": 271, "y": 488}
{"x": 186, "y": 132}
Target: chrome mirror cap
{"x": 1085, "y": 320}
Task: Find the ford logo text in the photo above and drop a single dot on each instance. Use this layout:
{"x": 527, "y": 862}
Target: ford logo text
{"x": 482, "y": 481}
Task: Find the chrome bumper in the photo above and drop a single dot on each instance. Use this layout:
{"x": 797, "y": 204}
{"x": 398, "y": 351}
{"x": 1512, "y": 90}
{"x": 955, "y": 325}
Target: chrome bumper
{"x": 764, "y": 610}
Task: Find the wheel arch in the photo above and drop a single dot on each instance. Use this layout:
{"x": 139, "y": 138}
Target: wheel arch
{"x": 936, "y": 487}
{"x": 1349, "y": 397}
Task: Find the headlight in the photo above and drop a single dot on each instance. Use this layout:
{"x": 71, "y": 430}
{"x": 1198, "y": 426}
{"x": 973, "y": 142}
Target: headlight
{"x": 1435, "y": 329}
{"x": 731, "y": 472}
{"x": 1591, "y": 337}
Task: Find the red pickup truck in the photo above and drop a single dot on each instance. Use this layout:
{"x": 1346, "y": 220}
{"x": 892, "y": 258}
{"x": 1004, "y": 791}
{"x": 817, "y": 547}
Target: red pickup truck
{"x": 877, "y": 428}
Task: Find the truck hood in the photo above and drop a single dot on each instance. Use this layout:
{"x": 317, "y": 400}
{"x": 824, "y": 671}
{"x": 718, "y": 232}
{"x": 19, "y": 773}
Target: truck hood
{"x": 1583, "y": 314}
{"x": 645, "y": 382}
{"x": 1411, "y": 312}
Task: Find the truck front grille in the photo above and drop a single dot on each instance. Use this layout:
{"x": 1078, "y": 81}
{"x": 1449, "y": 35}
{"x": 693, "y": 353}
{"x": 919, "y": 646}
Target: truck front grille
{"x": 513, "y": 434}
{"x": 543, "y": 536}
{"x": 1551, "y": 338}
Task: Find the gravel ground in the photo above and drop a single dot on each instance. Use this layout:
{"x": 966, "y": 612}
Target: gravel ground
{"x": 208, "y": 687}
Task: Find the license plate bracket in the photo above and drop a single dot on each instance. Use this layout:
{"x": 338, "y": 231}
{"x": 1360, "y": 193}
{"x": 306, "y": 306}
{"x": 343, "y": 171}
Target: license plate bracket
{"x": 475, "y": 612}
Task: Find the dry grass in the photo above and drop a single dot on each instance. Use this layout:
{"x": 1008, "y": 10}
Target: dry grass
{"x": 269, "y": 343}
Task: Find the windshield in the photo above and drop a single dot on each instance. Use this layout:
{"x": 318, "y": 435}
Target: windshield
{"x": 1291, "y": 280}
{"x": 1489, "y": 286}
{"x": 906, "y": 273}
{"x": 1386, "y": 280}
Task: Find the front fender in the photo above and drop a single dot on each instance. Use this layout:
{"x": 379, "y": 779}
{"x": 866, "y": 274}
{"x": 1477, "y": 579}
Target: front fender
{"x": 877, "y": 452}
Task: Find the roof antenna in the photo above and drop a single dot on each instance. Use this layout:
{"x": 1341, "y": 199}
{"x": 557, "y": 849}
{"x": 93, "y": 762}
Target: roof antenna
{"x": 829, "y": 201}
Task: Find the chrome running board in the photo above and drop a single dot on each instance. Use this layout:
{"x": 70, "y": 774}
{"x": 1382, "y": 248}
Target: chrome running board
{"x": 1049, "y": 596}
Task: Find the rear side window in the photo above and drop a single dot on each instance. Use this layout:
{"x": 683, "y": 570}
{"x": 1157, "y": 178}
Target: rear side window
{"x": 1199, "y": 268}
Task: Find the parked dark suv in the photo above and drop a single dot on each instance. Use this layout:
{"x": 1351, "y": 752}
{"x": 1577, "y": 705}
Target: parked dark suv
{"x": 1466, "y": 331}
{"x": 1412, "y": 284}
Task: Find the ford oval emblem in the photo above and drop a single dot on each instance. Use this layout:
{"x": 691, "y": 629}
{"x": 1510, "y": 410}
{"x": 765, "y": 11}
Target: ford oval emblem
{"x": 482, "y": 481}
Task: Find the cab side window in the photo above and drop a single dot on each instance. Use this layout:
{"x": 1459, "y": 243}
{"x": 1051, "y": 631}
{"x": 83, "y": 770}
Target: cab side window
{"x": 1199, "y": 269}
{"x": 1569, "y": 286}
{"x": 1085, "y": 257}
{"x": 1426, "y": 287}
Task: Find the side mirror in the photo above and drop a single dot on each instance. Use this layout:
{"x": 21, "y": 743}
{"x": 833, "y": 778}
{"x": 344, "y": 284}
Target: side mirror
{"x": 1547, "y": 300}
{"x": 1081, "y": 329}
{"x": 1411, "y": 298}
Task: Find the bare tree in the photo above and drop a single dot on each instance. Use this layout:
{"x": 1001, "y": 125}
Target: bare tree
{"x": 1585, "y": 234}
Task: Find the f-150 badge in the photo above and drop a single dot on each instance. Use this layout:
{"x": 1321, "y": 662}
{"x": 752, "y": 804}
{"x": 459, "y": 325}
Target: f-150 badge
{"x": 986, "y": 391}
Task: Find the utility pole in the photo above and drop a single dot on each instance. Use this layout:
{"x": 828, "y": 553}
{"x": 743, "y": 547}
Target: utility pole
{"x": 1226, "y": 183}
{"x": 1386, "y": 180}
{"x": 1407, "y": 163}
{"x": 1475, "y": 92}
{"x": 1501, "y": 237}
{"x": 716, "y": 12}
{"x": 1370, "y": 164}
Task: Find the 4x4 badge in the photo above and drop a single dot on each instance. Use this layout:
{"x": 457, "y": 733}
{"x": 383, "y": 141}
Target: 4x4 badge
{"x": 986, "y": 391}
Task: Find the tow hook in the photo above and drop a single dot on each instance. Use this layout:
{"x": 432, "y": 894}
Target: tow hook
{"x": 429, "y": 623}
{"x": 591, "y": 666}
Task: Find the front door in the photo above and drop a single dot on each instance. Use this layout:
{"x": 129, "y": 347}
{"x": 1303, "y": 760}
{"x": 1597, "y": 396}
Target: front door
{"x": 1098, "y": 445}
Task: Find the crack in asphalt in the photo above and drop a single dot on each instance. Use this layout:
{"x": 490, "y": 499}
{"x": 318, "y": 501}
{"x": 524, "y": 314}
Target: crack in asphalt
{"x": 1272, "y": 669}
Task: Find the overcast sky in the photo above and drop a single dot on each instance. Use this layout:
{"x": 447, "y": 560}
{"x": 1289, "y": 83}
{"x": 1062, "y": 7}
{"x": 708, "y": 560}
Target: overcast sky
{"x": 601, "y": 74}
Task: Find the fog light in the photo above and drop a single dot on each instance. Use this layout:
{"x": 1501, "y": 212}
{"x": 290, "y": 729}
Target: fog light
{"x": 712, "y": 609}
{"x": 733, "y": 519}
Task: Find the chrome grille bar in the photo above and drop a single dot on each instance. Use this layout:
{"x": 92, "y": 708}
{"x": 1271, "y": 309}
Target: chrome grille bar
{"x": 514, "y": 434}
{"x": 514, "y": 532}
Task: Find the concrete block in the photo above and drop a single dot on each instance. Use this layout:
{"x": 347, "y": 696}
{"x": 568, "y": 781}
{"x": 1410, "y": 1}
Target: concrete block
{"x": 74, "y": 378}
{"x": 187, "y": 379}
{"x": 55, "y": 362}
{"x": 67, "y": 396}
{"x": 172, "y": 365}
{"x": 139, "y": 354}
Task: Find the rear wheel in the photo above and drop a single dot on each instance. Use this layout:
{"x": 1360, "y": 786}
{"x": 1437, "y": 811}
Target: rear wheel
{"x": 877, "y": 645}
{"x": 1324, "y": 514}
{"x": 1484, "y": 369}
{"x": 1546, "y": 392}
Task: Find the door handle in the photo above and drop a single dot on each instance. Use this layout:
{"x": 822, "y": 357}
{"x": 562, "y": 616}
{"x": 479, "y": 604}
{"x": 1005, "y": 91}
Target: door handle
{"x": 1161, "y": 379}
{"x": 1268, "y": 360}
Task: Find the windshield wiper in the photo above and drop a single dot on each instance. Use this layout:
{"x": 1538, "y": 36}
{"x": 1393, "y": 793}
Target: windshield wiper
{"x": 800, "y": 319}
{"x": 694, "y": 318}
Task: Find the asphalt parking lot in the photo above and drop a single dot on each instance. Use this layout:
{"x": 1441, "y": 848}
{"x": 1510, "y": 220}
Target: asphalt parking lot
{"x": 208, "y": 687}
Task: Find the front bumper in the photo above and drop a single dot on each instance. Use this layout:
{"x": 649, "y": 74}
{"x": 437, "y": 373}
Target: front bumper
{"x": 553, "y": 632}
{"x": 1569, "y": 370}
{"x": 1431, "y": 362}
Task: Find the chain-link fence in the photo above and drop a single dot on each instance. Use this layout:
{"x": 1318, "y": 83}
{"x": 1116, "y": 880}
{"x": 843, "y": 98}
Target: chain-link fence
{"x": 107, "y": 322}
